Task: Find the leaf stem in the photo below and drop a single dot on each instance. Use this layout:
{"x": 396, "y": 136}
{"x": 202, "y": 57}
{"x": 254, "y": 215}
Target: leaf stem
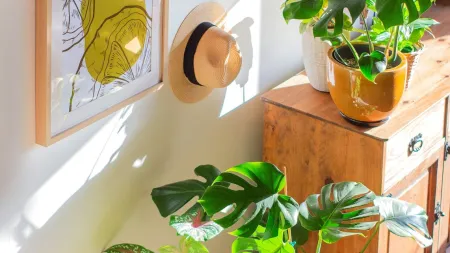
{"x": 319, "y": 243}
{"x": 386, "y": 51}
{"x": 352, "y": 48}
{"x": 366, "y": 28}
{"x": 371, "y": 237}
{"x": 397, "y": 38}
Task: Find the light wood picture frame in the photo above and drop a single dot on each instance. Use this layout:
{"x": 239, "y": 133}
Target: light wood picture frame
{"x": 118, "y": 51}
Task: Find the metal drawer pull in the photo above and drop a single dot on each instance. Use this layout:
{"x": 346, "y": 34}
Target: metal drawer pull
{"x": 416, "y": 144}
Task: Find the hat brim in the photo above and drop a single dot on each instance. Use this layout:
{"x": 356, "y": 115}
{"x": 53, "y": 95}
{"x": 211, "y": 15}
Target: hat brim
{"x": 183, "y": 89}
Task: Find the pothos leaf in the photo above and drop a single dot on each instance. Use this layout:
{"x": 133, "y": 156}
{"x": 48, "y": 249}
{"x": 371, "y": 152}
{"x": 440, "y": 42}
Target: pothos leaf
{"x": 194, "y": 225}
{"x": 341, "y": 208}
{"x": 372, "y": 64}
{"x": 171, "y": 198}
{"x": 301, "y": 9}
{"x": 186, "y": 245}
{"x": 127, "y": 248}
{"x": 260, "y": 183}
{"x": 405, "y": 219}
{"x": 274, "y": 245}
{"x": 335, "y": 11}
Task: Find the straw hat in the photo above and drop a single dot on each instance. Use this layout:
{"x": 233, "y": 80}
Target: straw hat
{"x": 203, "y": 56}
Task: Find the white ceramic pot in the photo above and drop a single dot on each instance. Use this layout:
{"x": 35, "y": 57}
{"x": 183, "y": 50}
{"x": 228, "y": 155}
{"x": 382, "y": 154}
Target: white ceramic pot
{"x": 315, "y": 53}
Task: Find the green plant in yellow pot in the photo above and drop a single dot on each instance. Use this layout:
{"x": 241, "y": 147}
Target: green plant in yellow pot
{"x": 366, "y": 82}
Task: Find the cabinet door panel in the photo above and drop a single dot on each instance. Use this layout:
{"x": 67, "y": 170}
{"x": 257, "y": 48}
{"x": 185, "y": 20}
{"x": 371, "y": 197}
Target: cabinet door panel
{"x": 422, "y": 187}
{"x": 445, "y": 221}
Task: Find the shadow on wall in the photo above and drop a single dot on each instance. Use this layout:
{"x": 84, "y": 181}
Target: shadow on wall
{"x": 244, "y": 39}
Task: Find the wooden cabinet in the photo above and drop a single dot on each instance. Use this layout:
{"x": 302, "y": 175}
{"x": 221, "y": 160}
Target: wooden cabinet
{"x": 305, "y": 136}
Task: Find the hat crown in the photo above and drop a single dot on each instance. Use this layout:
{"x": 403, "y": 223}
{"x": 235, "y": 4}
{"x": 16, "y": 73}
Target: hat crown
{"x": 218, "y": 59}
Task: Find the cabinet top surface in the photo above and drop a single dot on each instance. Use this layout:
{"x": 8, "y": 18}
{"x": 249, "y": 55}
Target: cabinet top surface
{"x": 431, "y": 84}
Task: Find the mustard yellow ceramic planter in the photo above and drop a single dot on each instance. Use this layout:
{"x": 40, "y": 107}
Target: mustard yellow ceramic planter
{"x": 359, "y": 100}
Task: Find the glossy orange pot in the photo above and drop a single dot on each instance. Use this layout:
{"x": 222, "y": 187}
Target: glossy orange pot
{"x": 359, "y": 100}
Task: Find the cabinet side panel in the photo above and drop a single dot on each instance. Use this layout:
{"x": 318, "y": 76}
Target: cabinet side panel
{"x": 314, "y": 153}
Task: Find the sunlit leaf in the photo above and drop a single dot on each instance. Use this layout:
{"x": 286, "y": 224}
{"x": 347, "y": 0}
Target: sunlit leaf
{"x": 301, "y": 9}
{"x": 372, "y": 64}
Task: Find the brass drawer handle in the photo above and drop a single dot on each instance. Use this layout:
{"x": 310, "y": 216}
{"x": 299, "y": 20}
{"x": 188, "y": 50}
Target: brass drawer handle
{"x": 416, "y": 144}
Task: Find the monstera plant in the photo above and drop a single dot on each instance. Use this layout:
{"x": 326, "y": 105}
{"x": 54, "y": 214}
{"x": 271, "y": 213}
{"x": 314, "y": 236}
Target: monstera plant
{"x": 248, "y": 196}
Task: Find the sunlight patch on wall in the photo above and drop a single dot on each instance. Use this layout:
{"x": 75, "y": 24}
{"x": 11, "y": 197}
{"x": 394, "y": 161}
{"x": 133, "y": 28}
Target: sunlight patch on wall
{"x": 88, "y": 162}
{"x": 245, "y": 25}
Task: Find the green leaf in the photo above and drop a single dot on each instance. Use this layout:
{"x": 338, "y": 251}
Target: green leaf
{"x": 329, "y": 213}
{"x": 416, "y": 35}
{"x": 371, "y": 5}
{"x": 391, "y": 11}
{"x": 192, "y": 224}
{"x": 333, "y": 40}
{"x": 301, "y": 9}
{"x": 372, "y": 64}
{"x": 274, "y": 245}
{"x": 300, "y": 235}
{"x": 405, "y": 219}
{"x": 171, "y": 198}
{"x": 127, "y": 248}
{"x": 382, "y": 38}
{"x": 259, "y": 183}
{"x": 335, "y": 11}
{"x": 186, "y": 245}
{"x": 424, "y": 23}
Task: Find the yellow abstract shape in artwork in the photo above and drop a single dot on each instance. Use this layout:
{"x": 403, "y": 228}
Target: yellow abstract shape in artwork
{"x": 115, "y": 33}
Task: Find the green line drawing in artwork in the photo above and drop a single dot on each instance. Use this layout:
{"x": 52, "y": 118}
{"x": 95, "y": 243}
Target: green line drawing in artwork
{"x": 116, "y": 36}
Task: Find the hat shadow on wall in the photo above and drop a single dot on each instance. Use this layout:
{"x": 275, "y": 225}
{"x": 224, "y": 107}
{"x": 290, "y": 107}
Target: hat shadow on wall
{"x": 243, "y": 36}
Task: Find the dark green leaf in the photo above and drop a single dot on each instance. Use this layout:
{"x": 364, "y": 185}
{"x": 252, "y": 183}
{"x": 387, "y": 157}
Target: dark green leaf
{"x": 335, "y": 11}
{"x": 192, "y": 224}
{"x": 260, "y": 184}
{"x": 127, "y": 248}
{"x": 274, "y": 245}
{"x": 372, "y": 64}
{"x": 329, "y": 212}
{"x": 405, "y": 219}
{"x": 173, "y": 197}
{"x": 301, "y": 9}
{"x": 333, "y": 40}
{"x": 300, "y": 235}
{"x": 391, "y": 11}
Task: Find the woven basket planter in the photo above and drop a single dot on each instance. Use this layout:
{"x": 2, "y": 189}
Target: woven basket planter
{"x": 413, "y": 60}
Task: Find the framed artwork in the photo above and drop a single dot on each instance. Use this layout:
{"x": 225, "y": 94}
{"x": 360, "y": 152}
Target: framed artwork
{"x": 93, "y": 57}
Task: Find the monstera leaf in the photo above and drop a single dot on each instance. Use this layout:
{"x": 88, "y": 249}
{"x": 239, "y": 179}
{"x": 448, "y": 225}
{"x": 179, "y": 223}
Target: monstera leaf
{"x": 186, "y": 245}
{"x": 405, "y": 219}
{"x": 301, "y": 9}
{"x": 372, "y": 64}
{"x": 274, "y": 245}
{"x": 172, "y": 197}
{"x": 259, "y": 183}
{"x": 195, "y": 224}
{"x": 127, "y": 248}
{"x": 337, "y": 211}
{"x": 391, "y": 11}
{"x": 335, "y": 11}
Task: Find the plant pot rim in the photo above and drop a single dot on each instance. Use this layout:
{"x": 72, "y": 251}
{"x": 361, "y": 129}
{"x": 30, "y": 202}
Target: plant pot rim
{"x": 402, "y": 65}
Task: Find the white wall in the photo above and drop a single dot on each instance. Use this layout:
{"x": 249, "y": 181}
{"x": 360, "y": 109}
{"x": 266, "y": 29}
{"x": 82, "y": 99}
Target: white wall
{"x": 81, "y": 193}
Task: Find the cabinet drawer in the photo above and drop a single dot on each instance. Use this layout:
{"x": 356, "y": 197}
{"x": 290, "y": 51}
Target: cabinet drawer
{"x": 427, "y": 130}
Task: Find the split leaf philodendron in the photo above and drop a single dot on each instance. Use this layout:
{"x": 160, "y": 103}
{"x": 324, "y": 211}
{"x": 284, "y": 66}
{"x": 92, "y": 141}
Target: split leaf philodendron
{"x": 277, "y": 224}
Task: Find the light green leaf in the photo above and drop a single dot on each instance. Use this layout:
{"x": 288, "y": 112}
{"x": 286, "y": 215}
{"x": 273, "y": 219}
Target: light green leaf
{"x": 169, "y": 249}
{"x": 331, "y": 217}
{"x": 405, "y": 219}
{"x": 372, "y": 64}
{"x": 274, "y": 245}
{"x": 301, "y": 9}
{"x": 186, "y": 245}
{"x": 335, "y": 11}
{"x": 259, "y": 183}
{"x": 127, "y": 248}
{"x": 171, "y": 198}
{"x": 424, "y": 23}
{"x": 416, "y": 35}
{"x": 192, "y": 224}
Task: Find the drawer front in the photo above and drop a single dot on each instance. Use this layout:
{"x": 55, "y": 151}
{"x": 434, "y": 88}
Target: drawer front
{"x": 410, "y": 147}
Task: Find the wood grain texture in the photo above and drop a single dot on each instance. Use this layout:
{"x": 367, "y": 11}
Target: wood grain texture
{"x": 43, "y": 76}
{"x": 314, "y": 153}
{"x": 400, "y": 161}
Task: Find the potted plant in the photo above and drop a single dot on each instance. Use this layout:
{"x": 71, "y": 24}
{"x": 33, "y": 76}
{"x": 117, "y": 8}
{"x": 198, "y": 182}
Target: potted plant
{"x": 366, "y": 82}
{"x": 410, "y": 36}
{"x": 314, "y": 49}
{"x": 277, "y": 223}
